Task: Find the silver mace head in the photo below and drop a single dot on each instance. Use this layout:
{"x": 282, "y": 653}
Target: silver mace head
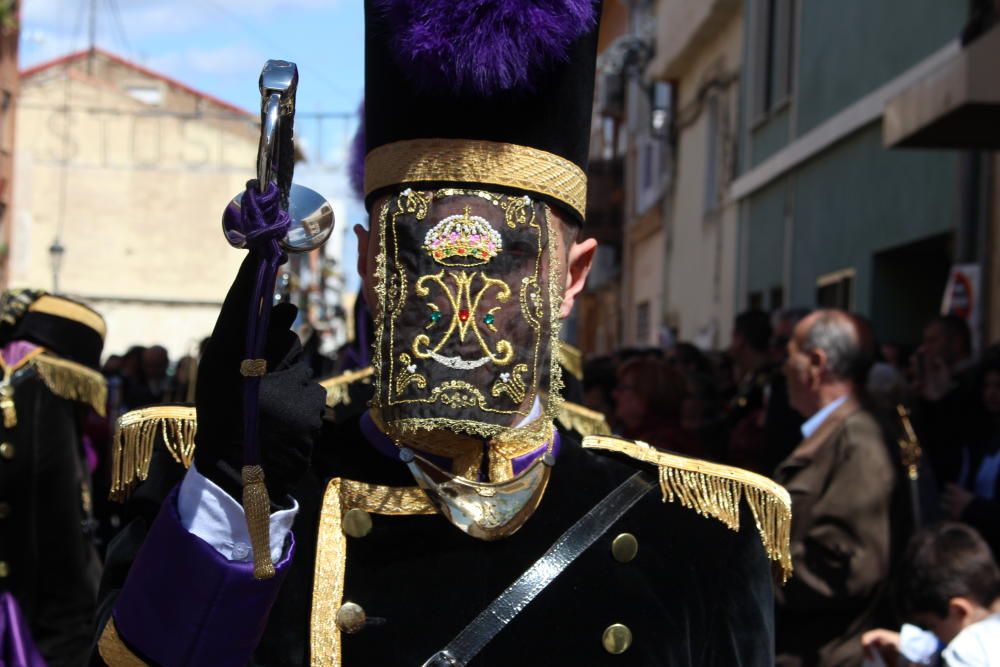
{"x": 311, "y": 213}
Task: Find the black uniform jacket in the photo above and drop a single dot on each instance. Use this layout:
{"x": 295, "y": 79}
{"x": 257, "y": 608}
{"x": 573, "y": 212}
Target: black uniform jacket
{"x": 47, "y": 558}
{"x": 696, "y": 593}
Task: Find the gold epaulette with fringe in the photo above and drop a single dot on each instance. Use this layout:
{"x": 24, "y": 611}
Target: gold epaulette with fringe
{"x": 582, "y": 420}
{"x": 571, "y": 359}
{"x": 72, "y": 381}
{"x": 715, "y": 490}
{"x": 135, "y": 435}
{"x": 338, "y": 387}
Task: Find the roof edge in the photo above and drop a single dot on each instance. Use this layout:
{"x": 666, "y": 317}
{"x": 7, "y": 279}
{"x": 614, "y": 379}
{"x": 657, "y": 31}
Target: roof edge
{"x": 79, "y": 55}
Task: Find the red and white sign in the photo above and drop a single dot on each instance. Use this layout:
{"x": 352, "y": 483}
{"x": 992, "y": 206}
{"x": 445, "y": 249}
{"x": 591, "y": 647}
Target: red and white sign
{"x": 961, "y": 296}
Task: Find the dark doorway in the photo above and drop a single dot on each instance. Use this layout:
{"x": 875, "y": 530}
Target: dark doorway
{"x": 907, "y": 286}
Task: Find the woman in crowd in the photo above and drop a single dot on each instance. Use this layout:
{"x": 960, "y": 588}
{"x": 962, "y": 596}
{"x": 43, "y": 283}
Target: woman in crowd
{"x": 648, "y": 400}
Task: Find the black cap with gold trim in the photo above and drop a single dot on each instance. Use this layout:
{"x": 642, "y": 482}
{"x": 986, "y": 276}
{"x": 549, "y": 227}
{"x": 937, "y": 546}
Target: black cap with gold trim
{"x": 65, "y": 327}
{"x": 495, "y": 94}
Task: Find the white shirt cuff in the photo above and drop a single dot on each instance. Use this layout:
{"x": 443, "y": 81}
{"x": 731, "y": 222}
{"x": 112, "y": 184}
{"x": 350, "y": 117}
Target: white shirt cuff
{"x": 918, "y": 646}
{"x": 210, "y": 513}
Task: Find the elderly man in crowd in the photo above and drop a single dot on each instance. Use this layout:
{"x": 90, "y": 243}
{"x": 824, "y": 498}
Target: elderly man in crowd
{"x": 840, "y": 479}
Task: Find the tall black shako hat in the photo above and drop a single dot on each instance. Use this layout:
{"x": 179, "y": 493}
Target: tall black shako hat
{"x": 491, "y": 93}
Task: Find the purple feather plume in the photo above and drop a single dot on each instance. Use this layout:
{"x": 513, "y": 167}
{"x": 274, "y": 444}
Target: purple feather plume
{"x": 483, "y": 47}
{"x": 356, "y": 156}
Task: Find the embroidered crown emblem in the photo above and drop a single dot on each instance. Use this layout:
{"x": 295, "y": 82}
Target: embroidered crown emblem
{"x": 463, "y": 240}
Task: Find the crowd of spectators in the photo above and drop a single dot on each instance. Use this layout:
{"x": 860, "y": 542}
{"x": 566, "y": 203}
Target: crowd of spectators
{"x": 894, "y": 556}
{"x": 141, "y": 377}
{"x": 815, "y": 402}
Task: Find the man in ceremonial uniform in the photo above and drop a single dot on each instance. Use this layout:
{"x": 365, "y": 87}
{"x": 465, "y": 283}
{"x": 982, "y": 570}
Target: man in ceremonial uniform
{"x": 50, "y": 348}
{"x": 451, "y": 522}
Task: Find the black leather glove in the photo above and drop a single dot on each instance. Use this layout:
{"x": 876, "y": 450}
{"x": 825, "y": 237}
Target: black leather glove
{"x": 291, "y": 405}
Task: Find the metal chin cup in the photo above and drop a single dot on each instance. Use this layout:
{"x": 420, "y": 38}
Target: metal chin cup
{"x": 312, "y": 215}
{"x": 486, "y": 511}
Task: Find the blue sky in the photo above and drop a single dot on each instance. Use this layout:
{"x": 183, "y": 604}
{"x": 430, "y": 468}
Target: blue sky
{"x": 219, "y": 47}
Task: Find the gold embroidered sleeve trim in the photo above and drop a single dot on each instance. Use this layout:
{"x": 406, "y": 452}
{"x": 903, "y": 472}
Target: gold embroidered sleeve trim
{"x": 467, "y": 161}
{"x": 135, "y": 435}
{"x": 715, "y": 490}
{"x": 113, "y": 650}
{"x": 338, "y": 387}
{"x": 73, "y": 381}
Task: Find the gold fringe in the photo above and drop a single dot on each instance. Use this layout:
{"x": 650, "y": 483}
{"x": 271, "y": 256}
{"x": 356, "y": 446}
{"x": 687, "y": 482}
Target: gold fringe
{"x": 338, "y": 387}
{"x": 73, "y": 381}
{"x": 257, "y": 508}
{"x": 135, "y": 435}
{"x": 572, "y": 359}
{"x": 715, "y": 490}
{"x": 583, "y": 420}
{"x": 113, "y": 650}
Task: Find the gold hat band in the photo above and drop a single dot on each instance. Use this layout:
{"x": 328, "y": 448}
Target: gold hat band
{"x": 70, "y": 310}
{"x": 477, "y": 162}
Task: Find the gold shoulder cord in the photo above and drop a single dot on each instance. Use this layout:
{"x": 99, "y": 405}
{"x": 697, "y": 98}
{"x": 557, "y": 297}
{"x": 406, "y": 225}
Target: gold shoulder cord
{"x": 135, "y": 434}
{"x": 338, "y": 388}
{"x": 331, "y": 553}
{"x": 715, "y": 490}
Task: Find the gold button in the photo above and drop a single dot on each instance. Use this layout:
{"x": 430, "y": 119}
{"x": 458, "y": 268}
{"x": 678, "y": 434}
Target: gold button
{"x": 4, "y": 510}
{"x": 350, "y": 618}
{"x": 7, "y": 450}
{"x": 617, "y": 638}
{"x": 4, "y": 569}
{"x": 624, "y": 547}
{"x": 357, "y": 522}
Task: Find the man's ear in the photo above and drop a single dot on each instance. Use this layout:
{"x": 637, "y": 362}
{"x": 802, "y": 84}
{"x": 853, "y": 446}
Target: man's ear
{"x": 817, "y": 363}
{"x": 581, "y": 257}
{"x": 362, "y": 235}
{"x": 960, "y": 609}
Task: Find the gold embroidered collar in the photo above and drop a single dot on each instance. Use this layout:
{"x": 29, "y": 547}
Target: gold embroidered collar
{"x": 466, "y": 452}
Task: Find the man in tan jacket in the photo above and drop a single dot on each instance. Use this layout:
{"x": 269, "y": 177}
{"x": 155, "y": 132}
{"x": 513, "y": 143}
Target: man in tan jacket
{"x": 840, "y": 479}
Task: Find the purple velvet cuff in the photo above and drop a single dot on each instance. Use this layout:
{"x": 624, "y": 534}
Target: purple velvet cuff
{"x": 185, "y": 604}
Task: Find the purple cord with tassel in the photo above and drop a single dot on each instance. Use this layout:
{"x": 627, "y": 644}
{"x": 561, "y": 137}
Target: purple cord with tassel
{"x": 264, "y": 223}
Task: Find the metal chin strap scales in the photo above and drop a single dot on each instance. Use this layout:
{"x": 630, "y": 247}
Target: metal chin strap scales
{"x": 271, "y": 217}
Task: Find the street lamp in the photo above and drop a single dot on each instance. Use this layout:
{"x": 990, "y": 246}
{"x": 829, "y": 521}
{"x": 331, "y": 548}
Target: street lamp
{"x": 56, "y": 251}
